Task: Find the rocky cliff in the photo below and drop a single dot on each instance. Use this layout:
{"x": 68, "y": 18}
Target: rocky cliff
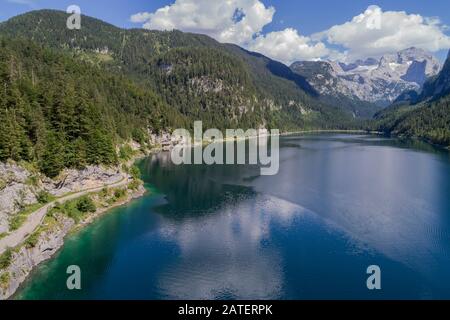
{"x": 378, "y": 81}
{"x": 20, "y": 187}
{"x": 32, "y": 253}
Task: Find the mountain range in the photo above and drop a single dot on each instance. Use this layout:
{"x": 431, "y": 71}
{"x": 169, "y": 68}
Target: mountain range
{"x": 84, "y": 92}
{"x": 72, "y": 97}
{"x": 221, "y": 84}
{"x": 424, "y": 114}
{"x": 376, "y": 81}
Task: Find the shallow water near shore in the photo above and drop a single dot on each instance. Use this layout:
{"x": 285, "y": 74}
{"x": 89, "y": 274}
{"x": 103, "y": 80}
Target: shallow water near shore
{"x": 339, "y": 203}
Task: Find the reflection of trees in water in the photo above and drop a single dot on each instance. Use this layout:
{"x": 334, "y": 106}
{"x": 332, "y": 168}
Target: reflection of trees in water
{"x": 366, "y": 139}
{"x": 220, "y": 226}
{"x": 196, "y": 190}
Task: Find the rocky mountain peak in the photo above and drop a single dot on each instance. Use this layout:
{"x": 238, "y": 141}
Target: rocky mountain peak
{"x": 373, "y": 80}
{"x": 411, "y": 65}
{"x": 359, "y": 63}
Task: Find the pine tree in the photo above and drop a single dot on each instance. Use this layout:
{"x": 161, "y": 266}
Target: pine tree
{"x": 52, "y": 161}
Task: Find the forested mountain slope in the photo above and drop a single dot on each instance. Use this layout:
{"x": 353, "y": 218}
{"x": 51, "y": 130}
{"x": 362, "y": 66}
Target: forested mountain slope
{"x": 62, "y": 112}
{"x": 426, "y": 115}
{"x": 70, "y": 97}
{"x": 221, "y": 84}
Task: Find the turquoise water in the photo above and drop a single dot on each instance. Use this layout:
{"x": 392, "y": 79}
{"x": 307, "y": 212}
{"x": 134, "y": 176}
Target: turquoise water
{"x": 339, "y": 204}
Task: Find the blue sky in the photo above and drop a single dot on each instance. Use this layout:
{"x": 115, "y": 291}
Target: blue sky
{"x": 284, "y": 30}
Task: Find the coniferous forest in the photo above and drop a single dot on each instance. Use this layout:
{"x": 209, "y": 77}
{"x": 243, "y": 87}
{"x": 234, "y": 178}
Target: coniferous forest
{"x": 62, "y": 112}
{"x": 70, "y": 97}
{"x": 429, "y": 121}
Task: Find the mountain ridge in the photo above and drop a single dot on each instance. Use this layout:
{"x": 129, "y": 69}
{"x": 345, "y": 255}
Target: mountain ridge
{"x": 73, "y": 97}
{"x": 135, "y": 51}
{"x": 424, "y": 115}
{"x": 377, "y": 81}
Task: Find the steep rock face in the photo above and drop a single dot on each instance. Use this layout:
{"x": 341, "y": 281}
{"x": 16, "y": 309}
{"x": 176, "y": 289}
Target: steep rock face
{"x": 27, "y": 258}
{"x": 71, "y": 180}
{"x": 16, "y": 191}
{"x": 416, "y": 72}
{"x": 19, "y": 187}
{"x": 425, "y": 115}
{"x": 325, "y": 77}
{"x": 377, "y": 81}
{"x": 438, "y": 86}
{"x": 413, "y": 64}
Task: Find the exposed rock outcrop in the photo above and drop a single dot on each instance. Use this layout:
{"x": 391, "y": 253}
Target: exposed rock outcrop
{"x": 16, "y": 192}
{"x": 71, "y": 180}
{"x": 26, "y": 258}
{"x": 19, "y": 187}
{"x": 379, "y": 81}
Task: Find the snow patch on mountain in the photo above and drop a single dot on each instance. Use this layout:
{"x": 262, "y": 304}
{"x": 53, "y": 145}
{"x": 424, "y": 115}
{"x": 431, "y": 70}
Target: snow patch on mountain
{"x": 379, "y": 81}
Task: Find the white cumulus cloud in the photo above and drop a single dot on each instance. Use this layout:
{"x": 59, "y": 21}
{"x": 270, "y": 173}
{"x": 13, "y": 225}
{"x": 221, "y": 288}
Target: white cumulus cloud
{"x": 289, "y": 46}
{"x": 236, "y": 21}
{"x": 141, "y": 17}
{"x": 370, "y": 34}
{"x": 376, "y": 32}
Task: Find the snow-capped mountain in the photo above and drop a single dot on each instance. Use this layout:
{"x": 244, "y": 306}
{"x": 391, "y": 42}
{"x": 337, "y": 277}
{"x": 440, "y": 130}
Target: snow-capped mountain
{"x": 378, "y": 81}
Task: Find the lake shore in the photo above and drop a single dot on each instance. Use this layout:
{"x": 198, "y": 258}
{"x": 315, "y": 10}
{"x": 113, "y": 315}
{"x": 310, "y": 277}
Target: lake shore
{"x": 320, "y": 226}
{"x": 29, "y": 258}
{"x": 44, "y": 241}
{"x": 330, "y": 131}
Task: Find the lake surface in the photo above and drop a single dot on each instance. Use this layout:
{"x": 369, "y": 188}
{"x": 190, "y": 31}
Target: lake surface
{"x": 339, "y": 204}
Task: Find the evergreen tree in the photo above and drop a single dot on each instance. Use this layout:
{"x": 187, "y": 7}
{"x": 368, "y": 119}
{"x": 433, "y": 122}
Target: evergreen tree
{"x": 52, "y": 161}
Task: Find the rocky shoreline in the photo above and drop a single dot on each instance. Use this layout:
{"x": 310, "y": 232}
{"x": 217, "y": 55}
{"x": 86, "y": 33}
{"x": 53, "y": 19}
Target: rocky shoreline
{"x": 20, "y": 183}
{"x": 25, "y": 259}
{"x": 20, "y": 186}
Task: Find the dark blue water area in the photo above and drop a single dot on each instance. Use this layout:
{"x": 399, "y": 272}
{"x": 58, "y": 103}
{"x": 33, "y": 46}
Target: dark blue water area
{"x": 339, "y": 204}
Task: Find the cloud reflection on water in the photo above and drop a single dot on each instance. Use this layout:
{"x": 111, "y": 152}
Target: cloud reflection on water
{"x": 226, "y": 254}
